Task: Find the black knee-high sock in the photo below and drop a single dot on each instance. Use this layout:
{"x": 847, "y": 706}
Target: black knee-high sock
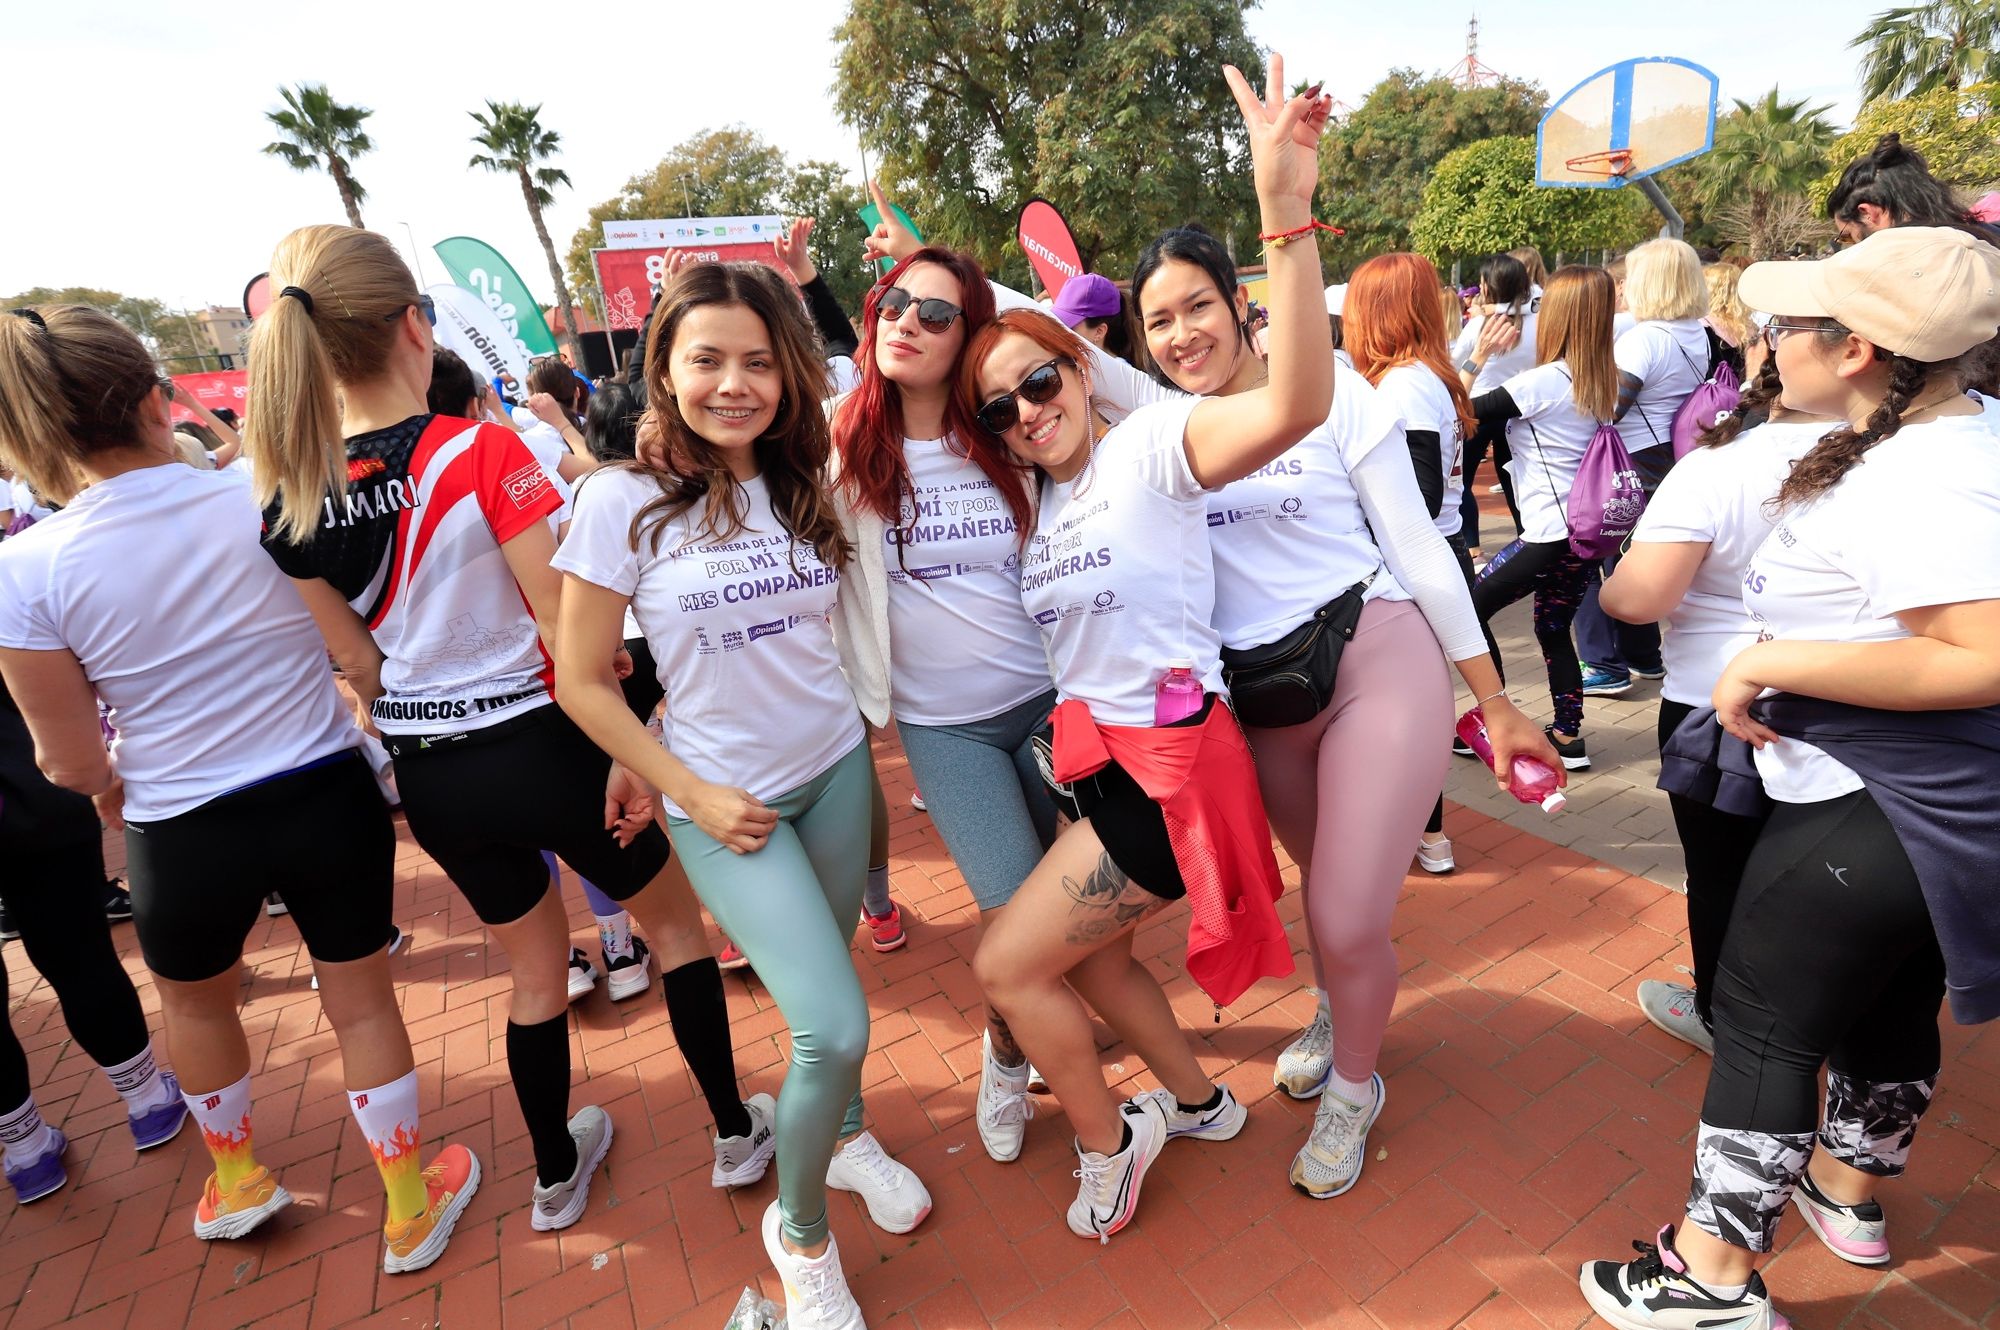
{"x": 14, "y": 1086}
{"x": 538, "y": 1061}
{"x": 700, "y": 1017}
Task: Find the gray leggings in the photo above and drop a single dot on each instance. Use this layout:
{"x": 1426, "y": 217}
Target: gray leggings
{"x": 792, "y": 907}
{"x": 986, "y": 795}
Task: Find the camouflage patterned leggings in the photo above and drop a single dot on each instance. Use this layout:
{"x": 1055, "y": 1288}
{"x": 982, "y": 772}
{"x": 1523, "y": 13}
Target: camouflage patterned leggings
{"x": 1557, "y": 578}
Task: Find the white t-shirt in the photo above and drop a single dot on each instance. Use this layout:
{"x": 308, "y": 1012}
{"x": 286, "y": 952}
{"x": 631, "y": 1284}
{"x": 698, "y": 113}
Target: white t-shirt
{"x": 1118, "y": 573}
{"x": 742, "y": 630}
{"x": 23, "y": 501}
{"x": 1718, "y": 497}
{"x": 1916, "y": 524}
{"x": 1548, "y": 440}
{"x": 214, "y": 672}
{"x": 1670, "y": 360}
{"x": 1290, "y": 537}
{"x": 964, "y": 648}
{"x": 1422, "y": 400}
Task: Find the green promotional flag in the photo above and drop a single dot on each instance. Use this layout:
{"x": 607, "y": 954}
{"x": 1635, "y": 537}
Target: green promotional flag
{"x": 478, "y": 267}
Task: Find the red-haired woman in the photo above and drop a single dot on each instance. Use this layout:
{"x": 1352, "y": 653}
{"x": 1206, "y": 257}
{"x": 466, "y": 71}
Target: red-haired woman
{"x": 1397, "y": 339}
{"x": 1118, "y": 573}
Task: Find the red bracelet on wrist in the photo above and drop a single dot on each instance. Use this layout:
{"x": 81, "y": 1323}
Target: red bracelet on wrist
{"x": 1278, "y": 239}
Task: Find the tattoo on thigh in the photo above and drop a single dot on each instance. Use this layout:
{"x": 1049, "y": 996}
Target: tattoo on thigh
{"x": 1104, "y": 902}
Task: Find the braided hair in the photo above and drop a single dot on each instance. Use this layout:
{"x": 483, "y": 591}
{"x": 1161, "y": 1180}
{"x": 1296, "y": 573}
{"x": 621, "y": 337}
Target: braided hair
{"x": 1753, "y": 408}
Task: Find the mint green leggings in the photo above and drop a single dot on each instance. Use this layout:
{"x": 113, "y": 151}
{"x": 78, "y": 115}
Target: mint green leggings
{"x": 792, "y": 907}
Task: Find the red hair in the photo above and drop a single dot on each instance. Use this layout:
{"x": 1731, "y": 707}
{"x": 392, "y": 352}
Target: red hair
{"x": 1393, "y": 317}
{"x": 868, "y": 426}
{"x": 1043, "y": 331}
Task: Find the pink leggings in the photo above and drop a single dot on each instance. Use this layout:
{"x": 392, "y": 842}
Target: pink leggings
{"x": 1347, "y": 793}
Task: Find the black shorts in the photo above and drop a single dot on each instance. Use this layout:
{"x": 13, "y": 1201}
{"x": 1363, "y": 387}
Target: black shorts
{"x": 1129, "y": 821}
{"x": 642, "y": 687}
{"x": 321, "y": 836}
{"x": 486, "y": 803}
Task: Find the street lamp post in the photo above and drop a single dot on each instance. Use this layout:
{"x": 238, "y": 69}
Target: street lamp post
{"x": 416, "y": 255}
{"x": 687, "y": 200}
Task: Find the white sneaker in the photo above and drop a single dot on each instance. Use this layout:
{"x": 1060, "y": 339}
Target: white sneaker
{"x": 1434, "y": 853}
{"x": 1107, "y": 1195}
{"x": 1209, "y": 1124}
{"x": 896, "y": 1199}
{"x": 1671, "y": 1007}
{"x": 816, "y": 1293}
{"x": 1004, "y": 1107}
{"x": 1330, "y": 1161}
{"x": 562, "y": 1205}
{"x": 628, "y": 975}
{"x": 1306, "y": 1063}
{"x": 582, "y": 975}
{"x": 742, "y": 1160}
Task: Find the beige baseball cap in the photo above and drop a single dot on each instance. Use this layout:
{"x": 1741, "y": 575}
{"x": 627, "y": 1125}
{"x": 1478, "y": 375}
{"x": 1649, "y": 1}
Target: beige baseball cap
{"x": 1927, "y": 292}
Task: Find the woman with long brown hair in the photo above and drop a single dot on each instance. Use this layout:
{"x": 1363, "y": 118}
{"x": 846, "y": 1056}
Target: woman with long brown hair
{"x": 1550, "y": 413}
{"x": 731, "y": 552}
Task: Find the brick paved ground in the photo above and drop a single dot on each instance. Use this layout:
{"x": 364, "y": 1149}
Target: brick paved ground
{"x": 1534, "y": 1120}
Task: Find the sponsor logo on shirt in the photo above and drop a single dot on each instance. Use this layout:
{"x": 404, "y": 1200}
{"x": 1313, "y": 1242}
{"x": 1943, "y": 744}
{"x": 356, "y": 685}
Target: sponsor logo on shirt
{"x": 1106, "y": 602}
{"x": 932, "y": 570}
{"x": 1216, "y": 519}
{"x": 732, "y": 641}
{"x": 1254, "y": 513}
{"x": 1290, "y": 506}
{"x": 525, "y": 484}
{"x": 702, "y": 645}
{"x": 758, "y": 630}
{"x": 810, "y": 616}
{"x": 1071, "y": 610}
{"x": 1046, "y": 616}
{"x": 360, "y": 468}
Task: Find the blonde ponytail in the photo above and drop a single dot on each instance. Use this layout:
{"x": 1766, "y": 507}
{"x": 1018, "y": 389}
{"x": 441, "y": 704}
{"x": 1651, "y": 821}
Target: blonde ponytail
{"x": 333, "y": 325}
{"x": 73, "y": 381}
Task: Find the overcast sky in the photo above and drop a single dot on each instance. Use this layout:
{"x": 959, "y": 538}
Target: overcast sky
{"x": 132, "y": 159}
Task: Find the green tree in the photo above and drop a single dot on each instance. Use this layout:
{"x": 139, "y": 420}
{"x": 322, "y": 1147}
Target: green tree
{"x": 322, "y": 135}
{"x": 1767, "y": 154}
{"x": 1938, "y": 44}
{"x": 822, "y": 191}
{"x": 1957, "y": 131}
{"x": 1374, "y": 163}
{"x": 515, "y": 141}
{"x": 1483, "y": 198}
{"x": 1118, "y": 114}
{"x": 174, "y": 338}
{"x": 713, "y": 173}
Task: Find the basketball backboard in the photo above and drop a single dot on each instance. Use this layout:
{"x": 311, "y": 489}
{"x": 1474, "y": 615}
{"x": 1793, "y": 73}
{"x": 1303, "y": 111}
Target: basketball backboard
{"x": 1626, "y": 122}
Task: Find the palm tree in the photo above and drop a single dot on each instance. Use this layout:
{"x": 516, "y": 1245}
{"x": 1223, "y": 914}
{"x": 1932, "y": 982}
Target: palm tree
{"x": 1938, "y": 44}
{"x": 1766, "y": 152}
{"x": 323, "y": 135}
{"x": 514, "y": 140}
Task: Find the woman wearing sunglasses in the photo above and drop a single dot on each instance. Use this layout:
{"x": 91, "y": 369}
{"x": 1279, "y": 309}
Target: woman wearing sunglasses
{"x": 114, "y": 597}
{"x": 422, "y": 546}
{"x": 1117, "y": 572}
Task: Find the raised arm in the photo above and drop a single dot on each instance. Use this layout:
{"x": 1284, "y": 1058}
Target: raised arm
{"x": 1230, "y": 437}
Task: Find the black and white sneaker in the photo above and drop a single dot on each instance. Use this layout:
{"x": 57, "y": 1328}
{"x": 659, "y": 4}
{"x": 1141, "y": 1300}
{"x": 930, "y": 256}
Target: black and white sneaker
{"x": 1218, "y": 1123}
{"x": 1460, "y": 748}
{"x": 582, "y": 975}
{"x": 1655, "y": 1292}
{"x": 628, "y": 975}
{"x": 9, "y": 930}
{"x": 117, "y": 900}
{"x": 274, "y": 905}
{"x": 1572, "y": 753}
{"x": 742, "y": 1160}
{"x": 1108, "y": 1194}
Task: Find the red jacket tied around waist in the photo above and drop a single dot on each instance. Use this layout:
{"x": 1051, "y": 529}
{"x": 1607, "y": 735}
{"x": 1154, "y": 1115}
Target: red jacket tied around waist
{"x": 1206, "y": 785}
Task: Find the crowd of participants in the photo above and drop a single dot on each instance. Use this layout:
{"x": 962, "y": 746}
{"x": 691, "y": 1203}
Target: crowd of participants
{"x": 1129, "y": 624}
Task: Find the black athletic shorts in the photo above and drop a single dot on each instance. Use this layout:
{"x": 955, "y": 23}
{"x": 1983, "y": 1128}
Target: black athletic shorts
{"x": 320, "y": 836}
{"x": 1128, "y": 820}
{"x": 486, "y": 803}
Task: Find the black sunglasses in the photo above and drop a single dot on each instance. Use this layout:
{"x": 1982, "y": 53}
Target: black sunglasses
{"x": 933, "y": 314}
{"x": 166, "y": 385}
{"x": 1040, "y": 387}
{"x": 424, "y": 303}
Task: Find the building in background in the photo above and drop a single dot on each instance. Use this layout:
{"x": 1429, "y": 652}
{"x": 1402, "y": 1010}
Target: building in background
{"x": 225, "y": 331}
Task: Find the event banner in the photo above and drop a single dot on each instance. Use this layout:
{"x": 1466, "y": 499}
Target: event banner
{"x": 468, "y": 325}
{"x": 214, "y": 389}
{"x": 681, "y": 232}
{"x": 477, "y": 266}
{"x": 1045, "y": 239}
{"x": 628, "y": 277}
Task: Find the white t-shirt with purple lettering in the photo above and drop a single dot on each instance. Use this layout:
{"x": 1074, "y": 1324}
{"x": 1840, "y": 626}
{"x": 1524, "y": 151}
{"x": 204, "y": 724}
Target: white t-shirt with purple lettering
{"x": 964, "y": 648}
{"x": 742, "y": 630}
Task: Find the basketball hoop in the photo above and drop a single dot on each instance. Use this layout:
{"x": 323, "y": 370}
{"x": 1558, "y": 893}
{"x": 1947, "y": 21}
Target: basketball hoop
{"x": 1612, "y": 164}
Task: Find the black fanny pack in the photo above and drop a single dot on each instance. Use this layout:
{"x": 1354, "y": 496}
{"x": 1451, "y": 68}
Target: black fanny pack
{"x": 1289, "y": 681}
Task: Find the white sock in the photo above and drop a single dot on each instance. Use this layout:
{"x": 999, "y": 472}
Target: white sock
{"x": 1359, "y": 1093}
{"x": 138, "y": 1081}
{"x": 614, "y": 931}
{"x": 1728, "y": 1292}
{"x": 25, "y": 1136}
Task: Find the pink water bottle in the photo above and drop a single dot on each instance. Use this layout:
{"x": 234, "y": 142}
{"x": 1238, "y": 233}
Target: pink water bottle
{"x": 1532, "y": 781}
{"x": 1179, "y": 694}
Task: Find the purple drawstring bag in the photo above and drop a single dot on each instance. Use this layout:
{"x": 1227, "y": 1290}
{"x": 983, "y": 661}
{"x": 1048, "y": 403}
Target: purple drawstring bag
{"x": 1605, "y": 500}
{"x": 1712, "y": 399}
